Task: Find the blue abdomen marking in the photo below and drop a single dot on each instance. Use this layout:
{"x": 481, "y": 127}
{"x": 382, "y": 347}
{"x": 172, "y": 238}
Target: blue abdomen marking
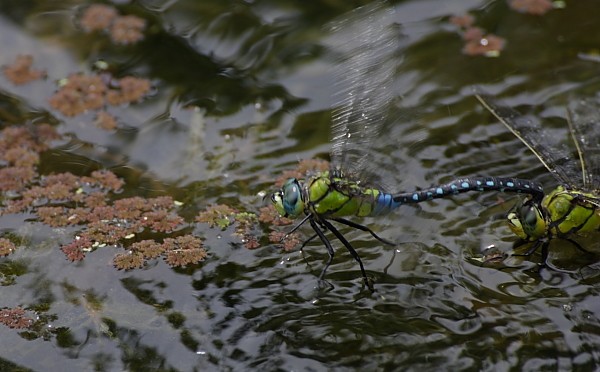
{"x": 462, "y": 185}
{"x": 385, "y": 203}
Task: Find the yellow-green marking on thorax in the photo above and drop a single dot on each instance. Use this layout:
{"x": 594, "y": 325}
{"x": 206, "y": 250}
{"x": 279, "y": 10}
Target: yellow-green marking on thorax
{"x": 336, "y": 197}
{"x": 568, "y": 211}
{"x": 561, "y": 212}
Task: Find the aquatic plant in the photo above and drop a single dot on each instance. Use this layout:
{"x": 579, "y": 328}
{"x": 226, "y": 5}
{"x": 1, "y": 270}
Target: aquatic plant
{"x": 477, "y": 42}
{"x": 535, "y": 7}
{"x": 223, "y": 216}
{"x": 15, "y": 318}
{"x": 80, "y": 93}
{"x": 6, "y": 247}
{"x": 21, "y": 71}
{"x": 127, "y": 29}
{"x": 65, "y": 199}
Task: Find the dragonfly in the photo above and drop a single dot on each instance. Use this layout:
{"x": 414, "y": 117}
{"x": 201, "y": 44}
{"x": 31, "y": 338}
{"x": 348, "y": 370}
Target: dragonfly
{"x": 365, "y": 44}
{"x": 573, "y": 208}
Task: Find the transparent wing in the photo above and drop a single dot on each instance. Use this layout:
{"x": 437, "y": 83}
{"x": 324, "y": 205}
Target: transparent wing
{"x": 364, "y": 44}
{"x": 552, "y": 151}
{"x": 584, "y": 123}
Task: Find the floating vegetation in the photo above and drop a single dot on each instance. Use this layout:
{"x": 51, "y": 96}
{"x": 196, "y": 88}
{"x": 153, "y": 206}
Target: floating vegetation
{"x": 181, "y": 251}
{"x": 6, "y": 247}
{"x": 127, "y": 90}
{"x": 128, "y": 29}
{"x": 21, "y": 71}
{"x": 289, "y": 242}
{"x": 477, "y": 42}
{"x": 105, "y": 121}
{"x": 113, "y": 224}
{"x": 535, "y": 7}
{"x": 303, "y": 169}
{"x": 80, "y": 93}
{"x": 97, "y": 17}
{"x": 19, "y": 155}
{"x": 223, "y": 216}
{"x": 65, "y": 199}
{"x": 15, "y": 318}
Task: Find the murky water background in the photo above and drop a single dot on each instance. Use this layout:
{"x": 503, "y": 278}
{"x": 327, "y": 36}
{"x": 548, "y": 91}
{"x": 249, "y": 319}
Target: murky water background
{"x": 241, "y": 93}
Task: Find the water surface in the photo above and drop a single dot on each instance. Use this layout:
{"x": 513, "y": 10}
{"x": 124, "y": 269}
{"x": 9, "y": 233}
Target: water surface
{"x": 241, "y": 92}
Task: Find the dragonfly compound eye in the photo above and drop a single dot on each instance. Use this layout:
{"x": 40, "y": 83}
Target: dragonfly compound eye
{"x": 293, "y": 204}
{"x": 531, "y": 219}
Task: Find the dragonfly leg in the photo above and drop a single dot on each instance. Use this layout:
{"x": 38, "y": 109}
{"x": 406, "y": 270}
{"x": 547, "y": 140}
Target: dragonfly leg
{"x": 531, "y": 250}
{"x": 297, "y": 226}
{"x": 307, "y": 241}
{"x": 325, "y": 241}
{"x": 362, "y": 228}
{"x": 350, "y": 249}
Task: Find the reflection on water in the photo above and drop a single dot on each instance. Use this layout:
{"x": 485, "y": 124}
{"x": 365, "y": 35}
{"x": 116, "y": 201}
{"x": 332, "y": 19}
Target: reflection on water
{"x": 240, "y": 91}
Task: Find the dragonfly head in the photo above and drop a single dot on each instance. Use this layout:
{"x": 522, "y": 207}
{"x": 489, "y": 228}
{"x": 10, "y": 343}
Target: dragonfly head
{"x": 289, "y": 201}
{"x": 527, "y": 220}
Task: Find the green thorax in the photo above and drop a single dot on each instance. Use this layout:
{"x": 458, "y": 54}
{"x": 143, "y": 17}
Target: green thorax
{"x": 338, "y": 197}
{"x": 569, "y": 212}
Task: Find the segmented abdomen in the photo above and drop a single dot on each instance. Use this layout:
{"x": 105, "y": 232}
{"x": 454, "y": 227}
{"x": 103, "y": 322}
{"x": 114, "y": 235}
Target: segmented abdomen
{"x": 386, "y": 202}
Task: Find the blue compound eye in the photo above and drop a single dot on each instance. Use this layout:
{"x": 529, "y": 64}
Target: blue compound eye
{"x": 291, "y": 192}
{"x": 292, "y": 201}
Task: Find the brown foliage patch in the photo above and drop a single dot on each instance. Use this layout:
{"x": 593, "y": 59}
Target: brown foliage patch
{"x": 535, "y": 7}
{"x": 21, "y": 71}
{"x": 80, "y": 93}
{"x": 15, "y": 318}
{"x": 97, "y": 17}
{"x": 6, "y": 247}
{"x": 124, "y": 30}
{"x": 476, "y": 41}
{"x": 127, "y": 29}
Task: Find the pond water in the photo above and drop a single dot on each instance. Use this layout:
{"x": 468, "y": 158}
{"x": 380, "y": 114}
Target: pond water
{"x": 239, "y": 92}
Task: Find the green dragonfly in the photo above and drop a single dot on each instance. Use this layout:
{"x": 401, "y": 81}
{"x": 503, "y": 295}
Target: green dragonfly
{"x": 366, "y": 46}
{"x": 573, "y": 208}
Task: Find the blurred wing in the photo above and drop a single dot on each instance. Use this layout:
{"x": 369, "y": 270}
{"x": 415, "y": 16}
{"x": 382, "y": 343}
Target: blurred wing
{"x": 584, "y": 123}
{"x": 551, "y": 150}
{"x": 365, "y": 47}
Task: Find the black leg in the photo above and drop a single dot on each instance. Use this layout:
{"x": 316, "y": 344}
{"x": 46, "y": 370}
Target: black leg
{"x": 350, "y": 249}
{"x": 297, "y": 226}
{"x": 531, "y": 250}
{"x": 307, "y": 241}
{"x": 325, "y": 241}
{"x": 362, "y": 228}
